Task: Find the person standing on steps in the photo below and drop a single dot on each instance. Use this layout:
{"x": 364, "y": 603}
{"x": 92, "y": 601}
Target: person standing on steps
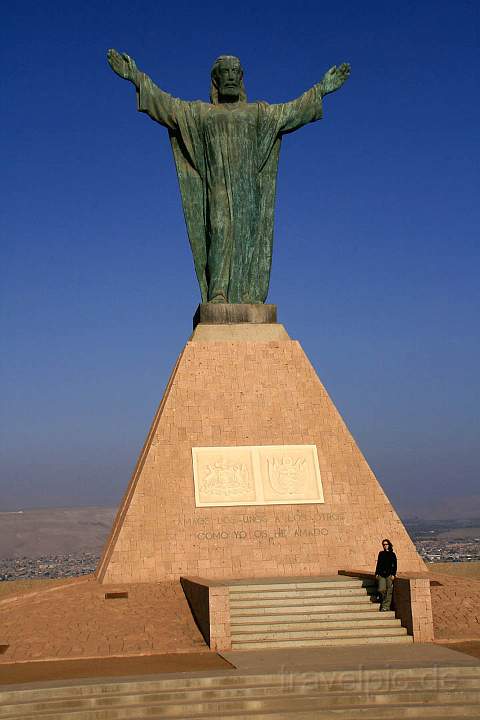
{"x": 385, "y": 574}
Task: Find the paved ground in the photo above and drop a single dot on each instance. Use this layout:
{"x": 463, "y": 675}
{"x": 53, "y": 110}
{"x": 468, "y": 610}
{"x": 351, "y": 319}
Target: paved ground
{"x": 455, "y": 606}
{"x": 295, "y": 666}
{"x": 60, "y": 670}
{"x": 462, "y": 569}
{"x": 19, "y": 587}
{"x": 72, "y": 619}
{"x": 355, "y": 657}
{"x": 470, "y": 648}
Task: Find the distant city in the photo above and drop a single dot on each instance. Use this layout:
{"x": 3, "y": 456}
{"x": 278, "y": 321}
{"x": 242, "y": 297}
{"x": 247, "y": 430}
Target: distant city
{"x": 445, "y": 541}
{"x": 51, "y": 567}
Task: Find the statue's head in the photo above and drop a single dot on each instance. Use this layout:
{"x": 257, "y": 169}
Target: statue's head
{"x": 227, "y": 80}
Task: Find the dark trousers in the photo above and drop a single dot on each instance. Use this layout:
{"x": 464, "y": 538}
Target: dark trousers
{"x": 385, "y": 589}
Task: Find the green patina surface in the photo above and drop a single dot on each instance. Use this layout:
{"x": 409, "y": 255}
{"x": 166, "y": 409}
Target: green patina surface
{"x": 226, "y": 154}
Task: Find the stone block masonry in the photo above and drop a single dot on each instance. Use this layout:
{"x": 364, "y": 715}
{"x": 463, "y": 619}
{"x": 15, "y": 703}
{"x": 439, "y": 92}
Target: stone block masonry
{"x": 209, "y": 602}
{"x": 248, "y": 385}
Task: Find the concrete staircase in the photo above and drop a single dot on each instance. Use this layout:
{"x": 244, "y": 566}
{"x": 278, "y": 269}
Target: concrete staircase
{"x": 414, "y": 693}
{"x": 310, "y": 612}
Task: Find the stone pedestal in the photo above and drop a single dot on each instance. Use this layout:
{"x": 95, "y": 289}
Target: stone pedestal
{"x": 230, "y": 314}
{"x": 245, "y": 398}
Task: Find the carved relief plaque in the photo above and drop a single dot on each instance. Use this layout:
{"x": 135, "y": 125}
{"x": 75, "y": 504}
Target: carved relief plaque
{"x": 256, "y": 475}
{"x": 223, "y": 477}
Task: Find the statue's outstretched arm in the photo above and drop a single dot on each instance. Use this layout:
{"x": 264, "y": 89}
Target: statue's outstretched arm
{"x": 159, "y": 105}
{"x": 335, "y": 78}
{"x": 307, "y": 108}
{"x": 123, "y": 65}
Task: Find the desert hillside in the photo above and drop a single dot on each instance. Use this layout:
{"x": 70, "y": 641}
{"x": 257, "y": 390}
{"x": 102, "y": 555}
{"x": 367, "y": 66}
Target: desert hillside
{"x": 36, "y": 533}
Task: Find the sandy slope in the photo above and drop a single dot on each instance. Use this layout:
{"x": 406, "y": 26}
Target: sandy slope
{"x": 35, "y": 533}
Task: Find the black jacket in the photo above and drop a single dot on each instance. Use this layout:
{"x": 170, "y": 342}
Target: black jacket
{"x": 386, "y": 563}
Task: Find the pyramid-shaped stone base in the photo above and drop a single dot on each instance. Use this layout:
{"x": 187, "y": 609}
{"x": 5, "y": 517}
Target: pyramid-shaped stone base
{"x": 248, "y": 385}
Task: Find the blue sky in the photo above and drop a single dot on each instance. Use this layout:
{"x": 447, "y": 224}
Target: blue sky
{"x": 376, "y": 253}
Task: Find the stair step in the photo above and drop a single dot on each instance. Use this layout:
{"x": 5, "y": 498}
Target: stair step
{"x": 315, "y": 584}
{"x": 295, "y": 602}
{"x": 302, "y": 616}
{"x": 281, "y": 627}
{"x": 346, "y": 704}
{"x": 326, "y": 681}
{"x": 319, "y": 634}
{"x": 276, "y": 595}
{"x": 317, "y": 642}
{"x": 297, "y": 609}
{"x": 334, "y": 695}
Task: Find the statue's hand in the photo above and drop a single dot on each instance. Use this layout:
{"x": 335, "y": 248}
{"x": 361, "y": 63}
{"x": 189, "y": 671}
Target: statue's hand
{"x": 122, "y": 64}
{"x": 335, "y": 77}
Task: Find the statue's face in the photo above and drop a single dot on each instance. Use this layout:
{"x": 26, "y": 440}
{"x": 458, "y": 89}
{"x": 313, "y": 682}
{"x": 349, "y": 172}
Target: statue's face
{"x": 228, "y": 78}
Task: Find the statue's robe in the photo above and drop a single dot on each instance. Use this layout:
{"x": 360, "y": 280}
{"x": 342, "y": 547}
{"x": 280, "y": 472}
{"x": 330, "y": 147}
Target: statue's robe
{"x": 227, "y": 159}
